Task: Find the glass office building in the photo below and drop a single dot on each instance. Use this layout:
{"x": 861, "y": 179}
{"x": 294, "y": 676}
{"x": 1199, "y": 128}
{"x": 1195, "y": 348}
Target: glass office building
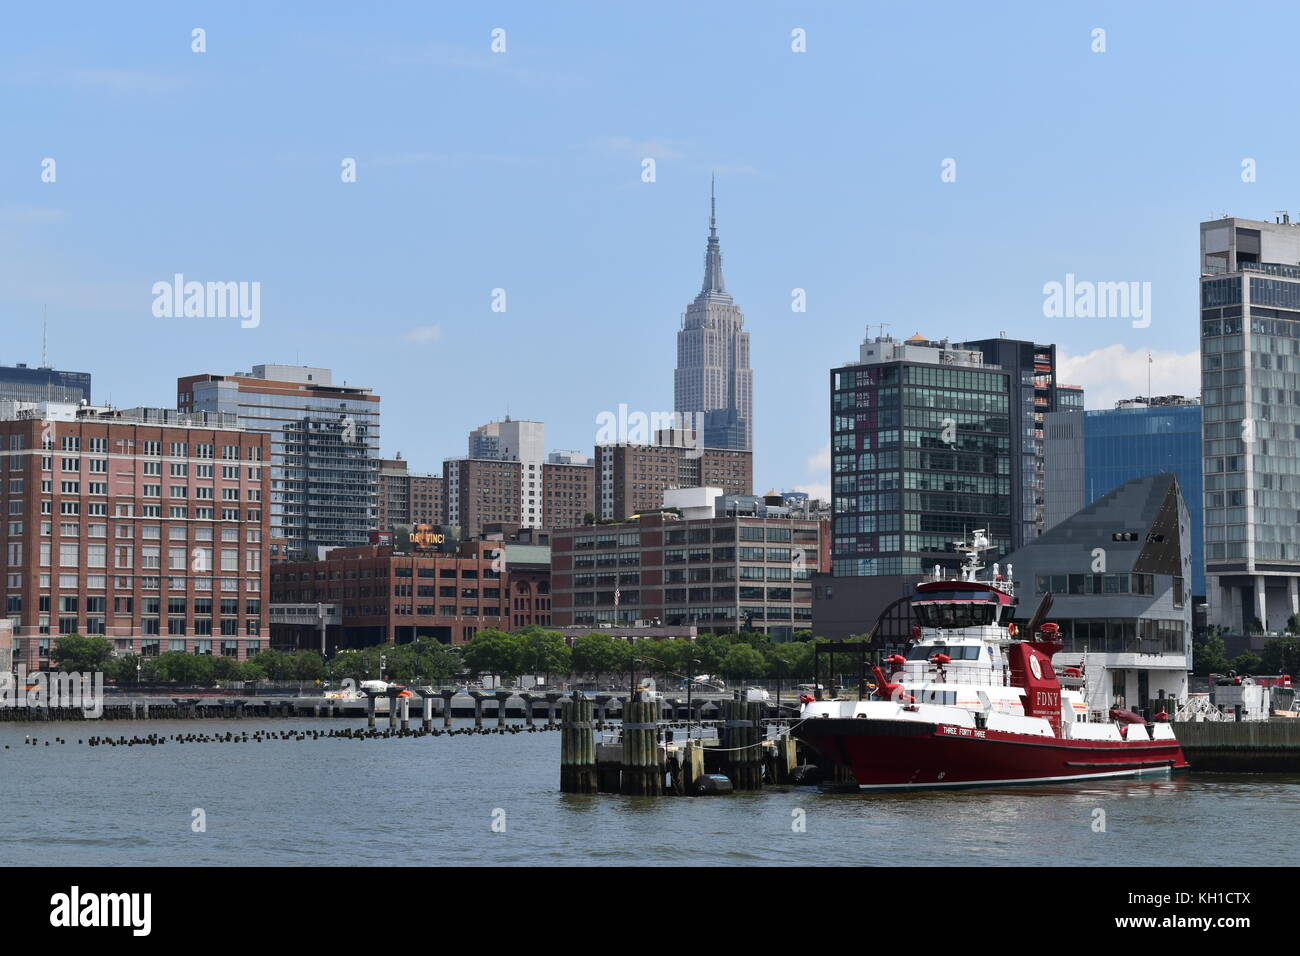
{"x": 19, "y": 383}
{"x": 1108, "y": 447}
{"x": 921, "y": 455}
{"x": 324, "y": 450}
{"x": 1250, "y": 394}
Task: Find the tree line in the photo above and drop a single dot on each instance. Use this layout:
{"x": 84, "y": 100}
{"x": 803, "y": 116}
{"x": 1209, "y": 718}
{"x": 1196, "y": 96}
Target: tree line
{"x": 530, "y": 651}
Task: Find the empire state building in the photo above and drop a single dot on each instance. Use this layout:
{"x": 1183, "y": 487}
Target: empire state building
{"x": 713, "y": 377}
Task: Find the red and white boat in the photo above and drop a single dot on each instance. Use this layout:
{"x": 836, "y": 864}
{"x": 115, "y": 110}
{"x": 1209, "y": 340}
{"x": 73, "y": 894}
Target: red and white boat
{"x": 974, "y": 703}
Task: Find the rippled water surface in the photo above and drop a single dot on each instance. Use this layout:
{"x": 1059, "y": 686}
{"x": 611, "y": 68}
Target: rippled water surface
{"x": 433, "y": 801}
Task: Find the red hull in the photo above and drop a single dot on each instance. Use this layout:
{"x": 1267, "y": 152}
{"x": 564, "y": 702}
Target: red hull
{"x": 903, "y": 754}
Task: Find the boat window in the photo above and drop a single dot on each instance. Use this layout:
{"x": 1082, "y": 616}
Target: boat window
{"x": 955, "y": 615}
{"x": 964, "y": 652}
{"x": 938, "y": 697}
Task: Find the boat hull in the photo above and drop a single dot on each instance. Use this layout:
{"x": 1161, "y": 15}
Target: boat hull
{"x": 893, "y": 754}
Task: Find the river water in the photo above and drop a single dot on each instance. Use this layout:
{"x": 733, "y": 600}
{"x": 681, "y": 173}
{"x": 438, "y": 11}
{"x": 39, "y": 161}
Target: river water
{"x": 435, "y": 800}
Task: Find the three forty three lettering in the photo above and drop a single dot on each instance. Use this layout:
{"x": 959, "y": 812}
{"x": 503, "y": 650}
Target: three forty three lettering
{"x": 74, "y": 908}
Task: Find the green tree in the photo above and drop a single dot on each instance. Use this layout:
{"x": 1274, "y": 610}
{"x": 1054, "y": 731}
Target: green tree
{"x": 77, "y": 652}
{"x": 1281, "y": 656}
{"x": 710, "y": 649}
{"x": 345, "y": 665}
{"x": 599, "y": 654}
{"x": 434, "y": 660}
{"x": 224, "y": 668}
{"x": 742, "y": 661}
{"x": 275, "y": 664}
{"x": 249, "y": 671}
{"x": 1247, "y": 662}
{"x": 544, "y": 652}
{"x": 1209, "y": 655}
{"x": 492, "y": 651}
{"x": 307, "y": 666}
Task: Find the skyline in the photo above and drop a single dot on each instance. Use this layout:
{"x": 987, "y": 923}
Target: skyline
{"x": 522, "y": 171}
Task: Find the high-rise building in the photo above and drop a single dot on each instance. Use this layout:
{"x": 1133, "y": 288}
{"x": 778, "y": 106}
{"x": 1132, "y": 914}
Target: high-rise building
{"x": 407, "y": 498}
{"x": 713, "y": 382}
{"x": 18, "y": 383}
{"x": 1250, "y": 398}
{"x": 482, "y": 491}
{"x": 521, "y": 441}
{"x": 921, "y": 456}
{"x": 1036, "y": 393}
{"x": 1090, "y": 454}
{"x": 569, "y": 489}
{"x": 100, "y": 502}
{"x": 324, "y": 450}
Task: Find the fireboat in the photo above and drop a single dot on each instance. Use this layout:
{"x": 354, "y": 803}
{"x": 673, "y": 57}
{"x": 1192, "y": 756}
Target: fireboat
{"x": 976, "y": 703}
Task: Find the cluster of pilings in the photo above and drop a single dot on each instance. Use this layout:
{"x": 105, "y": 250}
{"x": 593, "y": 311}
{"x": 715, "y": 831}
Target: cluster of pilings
{"x": 646, "y": 760}
{"x": 346, "y": 733}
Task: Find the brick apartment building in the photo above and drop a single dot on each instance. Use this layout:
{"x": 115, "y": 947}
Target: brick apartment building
{"x": 721, "y": 573}
{"x": 632, "y": 478}
{"x": 146, "y": 526}
{"x": 568, "y": 493}
{"x": 387, "y": 596}
{"x": 482, "y": 491}
{"x": 408, "y": 498}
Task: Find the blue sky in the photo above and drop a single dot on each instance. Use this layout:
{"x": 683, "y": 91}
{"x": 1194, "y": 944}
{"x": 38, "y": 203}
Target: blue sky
{"x": 522, "y": 170}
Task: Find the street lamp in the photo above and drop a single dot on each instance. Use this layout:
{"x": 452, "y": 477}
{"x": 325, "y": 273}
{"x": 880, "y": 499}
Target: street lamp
{"x": 690, "y": 683}
{"x": 632, "y": 691}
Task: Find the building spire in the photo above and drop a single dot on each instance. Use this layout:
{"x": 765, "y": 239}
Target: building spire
{"x": 714, "y": 285}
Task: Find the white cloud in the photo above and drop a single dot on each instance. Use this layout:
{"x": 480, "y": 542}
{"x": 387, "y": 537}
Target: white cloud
{"x": 116, "y": 80}
{"x": 818, "y": 468}
{"x": 821, "y": 492}
{"x": 1115, "y": 372}
{"x": 425, "y": 334}
{"x": 655, "y": 148}
{"x": 30, "y": 214}
{"x": 821, "y": 459}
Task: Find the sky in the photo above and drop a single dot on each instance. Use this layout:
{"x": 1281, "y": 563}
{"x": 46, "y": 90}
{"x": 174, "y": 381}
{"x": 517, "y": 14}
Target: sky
{"x": 930, "y": 166}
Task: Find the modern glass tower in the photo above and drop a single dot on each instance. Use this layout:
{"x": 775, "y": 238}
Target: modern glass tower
{"x": 921, "y": 456}
{"x": 324, "y": 450}
{"x": 1090, "y": 454}
{"x": 713, "y": 376}
{"x": 1250, "y": 397}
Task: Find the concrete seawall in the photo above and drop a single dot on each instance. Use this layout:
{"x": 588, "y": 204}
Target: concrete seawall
{"x": 1258, "y": 746}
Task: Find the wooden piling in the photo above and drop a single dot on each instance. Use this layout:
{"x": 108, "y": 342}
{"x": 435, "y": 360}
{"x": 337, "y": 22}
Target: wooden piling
{"x": 741, "y": 726}
{"x": 577, "y": 748}
{"x": 642, "y": 772}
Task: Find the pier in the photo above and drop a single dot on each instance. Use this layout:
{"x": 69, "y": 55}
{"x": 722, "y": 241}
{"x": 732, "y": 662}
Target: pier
{"x": 1251, "y": 746}
{"x": 743, "y": 748}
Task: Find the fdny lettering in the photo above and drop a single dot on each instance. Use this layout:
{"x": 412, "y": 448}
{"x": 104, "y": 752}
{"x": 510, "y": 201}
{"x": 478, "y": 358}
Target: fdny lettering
{"x": 1047, "y": 698}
